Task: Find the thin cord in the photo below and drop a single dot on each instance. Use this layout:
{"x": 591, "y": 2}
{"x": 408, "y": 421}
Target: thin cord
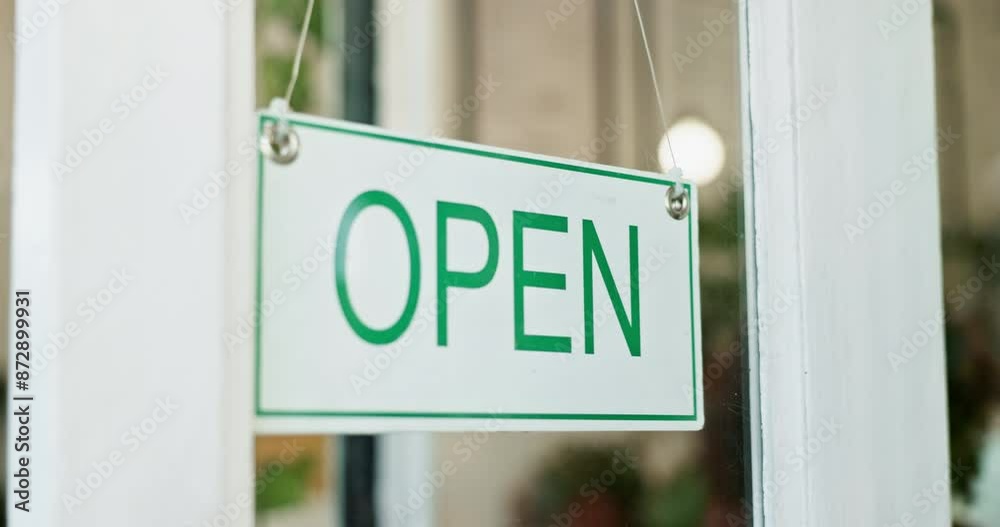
{"x": 298, "y": 53}
{"x": 656, "y": 84}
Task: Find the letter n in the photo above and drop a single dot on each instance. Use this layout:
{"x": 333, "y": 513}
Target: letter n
{"x": 592, "y": 251}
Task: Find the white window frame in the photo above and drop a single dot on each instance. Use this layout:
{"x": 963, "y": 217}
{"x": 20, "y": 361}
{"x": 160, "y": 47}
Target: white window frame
{"x": 826, "y": 358}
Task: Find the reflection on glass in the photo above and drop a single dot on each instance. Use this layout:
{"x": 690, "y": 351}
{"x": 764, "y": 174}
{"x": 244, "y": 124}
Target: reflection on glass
{"x": 570, "y": 80}
{"x": 967, "y": 41}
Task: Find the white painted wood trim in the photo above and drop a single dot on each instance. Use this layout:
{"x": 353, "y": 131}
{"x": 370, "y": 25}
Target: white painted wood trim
{"x": 152, "y": 358}
{"x": 848, "y": 438}
{"x": 240, "y": 248}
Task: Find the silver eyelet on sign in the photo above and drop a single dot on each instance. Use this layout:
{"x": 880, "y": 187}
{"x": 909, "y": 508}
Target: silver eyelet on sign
{"x": 678, "y": 204}
{"x": 279, "y": 143}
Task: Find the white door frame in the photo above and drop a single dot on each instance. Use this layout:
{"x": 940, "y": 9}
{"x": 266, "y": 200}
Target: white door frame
{"x": 138, "y": 398}
{"x": 853, "y": 429}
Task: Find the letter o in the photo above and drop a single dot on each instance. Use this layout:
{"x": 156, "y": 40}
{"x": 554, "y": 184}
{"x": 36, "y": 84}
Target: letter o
{"x": 360, "y": 203}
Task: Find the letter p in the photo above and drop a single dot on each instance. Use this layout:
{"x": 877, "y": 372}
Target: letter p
{"x": 469, "y": 280}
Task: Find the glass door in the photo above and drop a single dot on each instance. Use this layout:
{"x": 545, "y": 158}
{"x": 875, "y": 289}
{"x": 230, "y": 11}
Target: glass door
{"x": 567, "y": 79}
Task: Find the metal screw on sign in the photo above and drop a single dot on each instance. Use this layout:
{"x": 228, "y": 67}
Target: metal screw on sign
{"x": 279, "y": 143}
{"x": 677, "y": 202}
{"x": 676, "y": 199}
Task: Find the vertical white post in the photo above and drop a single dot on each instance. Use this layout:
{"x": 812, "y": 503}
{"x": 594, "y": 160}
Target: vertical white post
{"x": 847, "y": 264}
{"x": 127, "y": 121}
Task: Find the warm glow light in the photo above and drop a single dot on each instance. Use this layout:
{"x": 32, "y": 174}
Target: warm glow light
{"x": 699, "y": 150}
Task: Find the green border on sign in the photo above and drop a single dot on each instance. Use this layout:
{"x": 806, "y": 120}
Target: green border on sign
{"x": 472, "y": 150}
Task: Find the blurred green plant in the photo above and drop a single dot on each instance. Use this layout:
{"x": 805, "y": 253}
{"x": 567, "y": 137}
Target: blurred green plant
{"x": 287, "y": 487}
{"x": 569, "y": 487}
{"x": 681, "y": 502}
{"x": 276, "y": 65}
{"x": 276, "y": 73}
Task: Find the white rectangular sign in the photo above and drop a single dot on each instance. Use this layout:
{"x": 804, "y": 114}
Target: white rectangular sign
{"x": 409, "y": 284}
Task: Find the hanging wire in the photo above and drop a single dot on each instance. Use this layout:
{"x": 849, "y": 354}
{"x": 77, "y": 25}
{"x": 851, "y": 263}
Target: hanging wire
{"x": 278, "y": 141}
{"x": 677, "y": 200}
{"x": 298, "y": 53}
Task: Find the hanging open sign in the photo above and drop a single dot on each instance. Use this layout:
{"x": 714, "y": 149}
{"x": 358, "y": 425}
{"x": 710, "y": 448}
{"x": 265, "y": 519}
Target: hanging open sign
{"x": 408, "y": 284}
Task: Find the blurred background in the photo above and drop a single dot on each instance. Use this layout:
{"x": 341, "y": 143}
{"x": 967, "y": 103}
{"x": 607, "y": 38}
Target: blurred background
{"x": 569, "y": 78}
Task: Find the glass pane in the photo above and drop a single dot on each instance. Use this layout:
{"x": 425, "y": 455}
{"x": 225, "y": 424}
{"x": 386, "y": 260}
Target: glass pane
{"x": 296, "y": 475}
{"x": 573, "y": 82}
{"x": 967, "y": 40}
